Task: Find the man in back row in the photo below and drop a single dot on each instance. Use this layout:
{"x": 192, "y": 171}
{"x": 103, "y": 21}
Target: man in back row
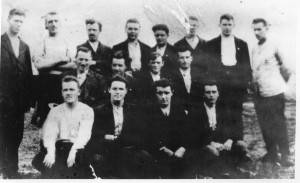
{"x": 137, "y": 50}
{"x": 101, "y": 54}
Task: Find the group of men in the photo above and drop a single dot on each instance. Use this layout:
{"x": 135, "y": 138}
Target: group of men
{"x": 139, "y": 112}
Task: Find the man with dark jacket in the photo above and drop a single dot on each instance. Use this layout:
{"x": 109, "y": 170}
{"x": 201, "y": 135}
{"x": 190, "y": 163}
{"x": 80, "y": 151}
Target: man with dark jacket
{"x": 118, "y": 136}
{"x": 167, "y": 51}
{"x": 137, "y": 50}
{"x": 92, "y": 85}
{"x": 213, "y": 144}
{"x": 101, "y": 53}
{"x": 230, "y": 65}
{"x": 196, "y": 44}
{"x": 15, "y": 84}
{"x": 166, "y": 131}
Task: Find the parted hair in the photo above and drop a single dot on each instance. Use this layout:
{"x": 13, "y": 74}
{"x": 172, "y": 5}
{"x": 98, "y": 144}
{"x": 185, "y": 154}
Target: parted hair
{"x": 69, "y": 78}
{"x": 83, "y": 49}
{"x": 120, "y": 78}
{"x": 122, "y": 55}
{"x": 260, "y": 20}
{"x": 226, "y": 17}
{"x": 16, "y": 11}
{"x": 163, "y": 82}
{"x": 92, "y": 21}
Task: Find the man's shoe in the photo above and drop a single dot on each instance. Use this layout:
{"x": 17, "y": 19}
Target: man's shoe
{"x": 285, "y": 162}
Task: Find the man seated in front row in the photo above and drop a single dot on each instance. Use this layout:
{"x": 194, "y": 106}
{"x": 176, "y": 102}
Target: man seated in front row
{"x": 166, "y": 131}
{"x": 65, "y": 133}
{"x": 117, "y": 137}
{"x": 212, "y": 141}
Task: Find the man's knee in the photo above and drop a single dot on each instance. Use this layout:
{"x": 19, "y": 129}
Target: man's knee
{"x": 210, "y": 151}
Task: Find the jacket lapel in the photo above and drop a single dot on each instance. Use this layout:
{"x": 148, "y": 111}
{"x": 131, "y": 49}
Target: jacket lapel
{"x": 8, "y": 45}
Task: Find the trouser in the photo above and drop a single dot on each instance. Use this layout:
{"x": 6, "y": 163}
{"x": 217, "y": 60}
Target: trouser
{"x": 120, "y": 162}
{"x": 270, "y": 114}
{"x": 50, "y": 92}
{"x": 59, "y": 169}
{"x": 12, "y": 127}
{"x": 209, "y": 161}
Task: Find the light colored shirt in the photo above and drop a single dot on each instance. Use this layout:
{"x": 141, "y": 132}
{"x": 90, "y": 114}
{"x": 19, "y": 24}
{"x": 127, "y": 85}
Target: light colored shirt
{"x": 81, "y": 77}
{"x": 193, "y": 42}
{"x": 155, "y": 77}
{"x": 118, "y": 118}
{"x": 212, "y": 117}
{"x": 135, "y": 54}
{"x": 266, "y": 61}
{"x": 166, "y": 111}
{"x": 228, "y": 51}
{"x": 161, "y": 50}
{"x": 94, "y": 45}
{"x": 50, "y": 48}
{"x": 186, "y": 74}
{"x": 74, "y": 125}
{"x": 15, "y": 43}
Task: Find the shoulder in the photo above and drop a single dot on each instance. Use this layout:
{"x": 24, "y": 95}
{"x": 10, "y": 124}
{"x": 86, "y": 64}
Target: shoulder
{"x": 84, "y": 108}
{"x": 144, "y": 45}
{"x": 214, "y": 40}
{"x": 240, "y": 41}
{"x": 105, "y": 47}
{"x": 120, "y": 45}
{"x": 85, "y": 44}
{"x": 180, "y": 42}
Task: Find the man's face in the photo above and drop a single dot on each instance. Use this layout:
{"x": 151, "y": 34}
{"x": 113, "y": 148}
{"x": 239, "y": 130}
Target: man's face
{"x": 15, "y": 23}
{"x": 193, "y": 27}
{"x": 118, "y": 66}
{"x": 156, "y": 65}
{"x": 226, "y": 27}
{"x": 260, "y": 30}
{"x": 132, "y": 30}
{"x": 52, "y": 24}
{"x": 117, "y": 91}
{"x": 83, "y": 61}
{"x": 70, "y": 92}
{"x": 93, "y": 32}
{"x": 211, "y": 94}
{"x": 161, "y": 37}
{"x": 185, "y": 59}
{"x": 164, "y": 96}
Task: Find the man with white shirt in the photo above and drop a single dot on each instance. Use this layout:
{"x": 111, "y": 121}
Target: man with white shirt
{"x": 270, "y": 87}
{"x": 137, "y": 50}
{"x": 167, "y": 51}
{"x": 92, "y": 85}
{"x": 15, "y": 92}
{"x": 52, "y": 57}
{"x": 187, "y": 82}
{"x": 230, "y": 66}
{"x": 118, "y": 136}
{"x": 65, "y": 133}
{"x": 166, "y": 125}
{"x": 196, "y": 45}
{"x": 213, "y": 146}
{"x": 101, "y": 54}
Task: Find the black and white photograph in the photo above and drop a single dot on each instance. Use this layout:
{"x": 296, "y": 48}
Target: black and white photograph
{"x": 148, "y": 89}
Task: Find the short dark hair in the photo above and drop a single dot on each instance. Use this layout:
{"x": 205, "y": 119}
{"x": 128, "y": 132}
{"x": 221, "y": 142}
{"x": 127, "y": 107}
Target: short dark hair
{"x": 154, "y": 56}
{"x": 16, "y": 11}
{"x": 184, "y": 49}
{"x": 83, "y": 49}
{"x": 227, "y": 17}
{"x": 260, "y": 20}
{"x": 70, "y": 78}
{"x": 162, "y": 27}
{"x": 210, "y": 82}
{"x": 92, "y": 21}
{"x": 122, "y": 55}
{"x": 163, "y": 82}
{"x": 193, "y": 18}
{"x": 120, "y": 78}
{"x": 132, "y": 20}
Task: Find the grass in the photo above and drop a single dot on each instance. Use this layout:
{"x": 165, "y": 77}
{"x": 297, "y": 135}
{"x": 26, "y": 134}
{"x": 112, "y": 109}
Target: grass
{"x": 30, "y": 145}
